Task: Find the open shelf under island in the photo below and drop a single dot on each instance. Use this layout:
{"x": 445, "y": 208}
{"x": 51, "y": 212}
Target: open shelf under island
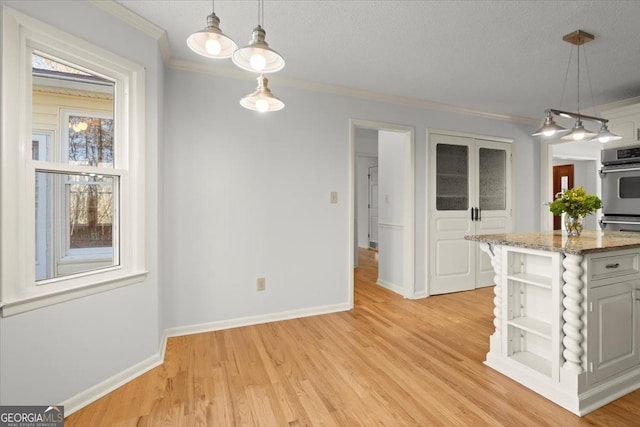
{"x": 567, "y": 314}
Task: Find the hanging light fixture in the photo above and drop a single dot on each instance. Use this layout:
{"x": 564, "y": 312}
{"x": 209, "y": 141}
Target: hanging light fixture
{"x": 257, "y": 56}
{"x": 578, "y": 132}
{"x": 262, "y": 99}
{"x": 212, "y": 42}
{"x": 549, "y": 127}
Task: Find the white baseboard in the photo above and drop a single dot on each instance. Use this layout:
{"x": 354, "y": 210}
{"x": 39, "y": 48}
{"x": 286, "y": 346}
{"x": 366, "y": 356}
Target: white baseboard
{"x": 391, "y": 286}
{"x": 420, "y": 295}
{"x": 99, "y": 390}
{"x": 254, "y": 320}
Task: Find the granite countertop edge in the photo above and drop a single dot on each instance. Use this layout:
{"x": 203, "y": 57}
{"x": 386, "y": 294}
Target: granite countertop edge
{"x": 591, "y": 241}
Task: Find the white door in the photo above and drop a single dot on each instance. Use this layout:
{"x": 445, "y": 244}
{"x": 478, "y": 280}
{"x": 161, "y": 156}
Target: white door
{"x": 373, "y": 206}
{"x": 494, "y": 200}
{"x": 470, "y": 194}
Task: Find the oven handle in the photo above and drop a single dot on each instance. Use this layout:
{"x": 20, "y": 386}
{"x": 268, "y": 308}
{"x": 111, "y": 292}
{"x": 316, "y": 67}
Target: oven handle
{"x": 604, "y": 221}
{"x": 603, "y": 172}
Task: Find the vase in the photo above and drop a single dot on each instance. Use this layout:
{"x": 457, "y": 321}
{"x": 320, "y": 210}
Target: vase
{"x": 573, "y": 224}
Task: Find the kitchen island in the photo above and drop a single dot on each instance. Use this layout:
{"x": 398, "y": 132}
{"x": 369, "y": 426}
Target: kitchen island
{"x": 567, "y": 314}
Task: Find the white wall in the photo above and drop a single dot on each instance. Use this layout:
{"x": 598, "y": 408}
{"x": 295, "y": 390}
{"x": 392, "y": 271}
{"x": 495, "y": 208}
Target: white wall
{"x": 53, "y": 354}
{"x": 392, "y": 151}
{"x": 238, "y": 195}
{"x": 247, "y": 195}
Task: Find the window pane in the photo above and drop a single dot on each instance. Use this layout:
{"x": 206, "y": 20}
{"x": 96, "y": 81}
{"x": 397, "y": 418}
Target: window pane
{"x": 630, "y": 187}
{"x": 90, "y": 141}
{"x": 493, "y": 183}
{"x": 452, "y": 177}
{"x": 74, "y": 223}
{"x": 78, "y": 105}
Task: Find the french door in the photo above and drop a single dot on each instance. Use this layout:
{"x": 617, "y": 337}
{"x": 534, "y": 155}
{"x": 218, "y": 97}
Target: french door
{"x": 470, "y": 193}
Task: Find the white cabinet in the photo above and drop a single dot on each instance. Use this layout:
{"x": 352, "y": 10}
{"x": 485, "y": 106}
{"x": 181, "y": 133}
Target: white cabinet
{"x": 532, "y": 326}
{"x": 625, "y": 121}
{"x": 567, "y": 325}
{"x": 614, "y": 329}
{"x": 469, "y": 192}
{"x": 613, "y": 321}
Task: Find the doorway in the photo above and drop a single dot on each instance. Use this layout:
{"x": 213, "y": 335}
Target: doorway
{"x": 562, "y": 180}
{"x": 403, "y": 226}
{"x": 586, "y": 160}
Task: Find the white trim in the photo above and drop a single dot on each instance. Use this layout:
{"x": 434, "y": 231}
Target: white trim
{"x": 218, "y": 70}
{"x": 420, "y": 295}
{"x": 398, "y": 289}
{"x": 391, "y": 226}
{"x": 22, "y": 35}
{"x": 408, "y": 259}
{"x": 255, "y": 320}
{"x": 136, "y": 21}
{"x": 32, "y": 302}
{"x": 90, "y": 395}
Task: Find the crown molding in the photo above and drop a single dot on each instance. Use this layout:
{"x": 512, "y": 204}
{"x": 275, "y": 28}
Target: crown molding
{"x": 117, "y": 10}
{"x": 350, "y": 92}
{"x": 620, "y": 104}
{"x": 136, "y": 21}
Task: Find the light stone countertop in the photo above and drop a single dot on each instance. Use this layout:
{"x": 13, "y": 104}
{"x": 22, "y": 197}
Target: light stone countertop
{"x": 590, "y": 241}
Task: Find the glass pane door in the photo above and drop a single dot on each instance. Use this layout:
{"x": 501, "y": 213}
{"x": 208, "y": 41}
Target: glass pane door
{"x": 452, "y": 177}
{"x": 492, "y": 171}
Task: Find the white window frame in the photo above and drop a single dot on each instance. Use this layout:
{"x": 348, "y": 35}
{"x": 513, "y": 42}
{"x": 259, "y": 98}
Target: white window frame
{"x": 19, "y": 292}
{"x": 61, "y": 222}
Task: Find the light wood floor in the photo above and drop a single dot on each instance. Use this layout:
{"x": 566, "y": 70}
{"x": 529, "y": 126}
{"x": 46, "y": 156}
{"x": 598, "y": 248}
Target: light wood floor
{"x": 389, "y": 361}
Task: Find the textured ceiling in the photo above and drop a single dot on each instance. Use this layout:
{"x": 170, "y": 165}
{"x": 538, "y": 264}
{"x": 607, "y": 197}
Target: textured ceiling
{"x": 502, "y": 57}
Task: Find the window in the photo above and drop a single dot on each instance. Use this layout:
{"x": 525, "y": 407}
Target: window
{"x": 72, "y": 193}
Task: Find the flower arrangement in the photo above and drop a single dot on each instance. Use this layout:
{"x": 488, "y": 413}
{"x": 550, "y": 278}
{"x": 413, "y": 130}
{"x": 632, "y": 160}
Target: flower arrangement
{"x": 575, "y": 202}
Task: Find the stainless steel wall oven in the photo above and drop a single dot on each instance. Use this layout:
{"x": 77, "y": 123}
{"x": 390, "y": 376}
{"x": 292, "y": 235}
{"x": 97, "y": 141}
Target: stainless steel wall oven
{"x": 620, "y": 175}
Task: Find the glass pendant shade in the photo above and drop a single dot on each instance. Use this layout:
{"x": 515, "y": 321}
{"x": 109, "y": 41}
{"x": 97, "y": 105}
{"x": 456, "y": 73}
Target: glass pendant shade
{"x": 549, "y": 127}
{"x": 211, "y": 42}
{"x": 262, "y": 99}
{"x": 257, "y": 56}
{"x": 578, "y": 133}
{"x": 605, "y": 135}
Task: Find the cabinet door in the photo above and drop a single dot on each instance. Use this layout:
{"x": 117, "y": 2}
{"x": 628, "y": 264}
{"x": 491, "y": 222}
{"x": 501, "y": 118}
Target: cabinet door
{"x": 614, "y": 329}
{"x": 626, "y": 123}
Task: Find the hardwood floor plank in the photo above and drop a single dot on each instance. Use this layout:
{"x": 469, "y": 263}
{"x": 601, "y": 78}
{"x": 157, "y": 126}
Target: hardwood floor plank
{"x": 389, "y": 361}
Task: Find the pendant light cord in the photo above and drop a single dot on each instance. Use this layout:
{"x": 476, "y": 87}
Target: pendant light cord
{"x": 213, "y": 6}
{"x": 566, "y": 78}
{"x": 578, "y": 82}
{"x": 586, "y": 64}
{"x": 261, "y": 13}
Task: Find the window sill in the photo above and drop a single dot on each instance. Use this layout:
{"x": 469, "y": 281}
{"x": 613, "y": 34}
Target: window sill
{"x": 28, "y": 303}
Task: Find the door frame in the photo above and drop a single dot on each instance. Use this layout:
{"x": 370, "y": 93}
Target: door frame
{"x": 546, "y": 178}
{"x": 430, "y": 190}
{"x": 408, "y": 258}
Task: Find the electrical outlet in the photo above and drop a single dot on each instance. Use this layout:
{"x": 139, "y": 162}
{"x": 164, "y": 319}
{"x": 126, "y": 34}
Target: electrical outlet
{"x": 262, "y": 285}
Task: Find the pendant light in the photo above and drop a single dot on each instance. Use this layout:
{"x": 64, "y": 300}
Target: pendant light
{"x": 262, "y": 99}
{"x": 578, "y": 132}
{"x": 549, "y": 127}
{"x": 605, "y": 135}
{"x": 257, "y": 56}
{"x": 212, "y": 42}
